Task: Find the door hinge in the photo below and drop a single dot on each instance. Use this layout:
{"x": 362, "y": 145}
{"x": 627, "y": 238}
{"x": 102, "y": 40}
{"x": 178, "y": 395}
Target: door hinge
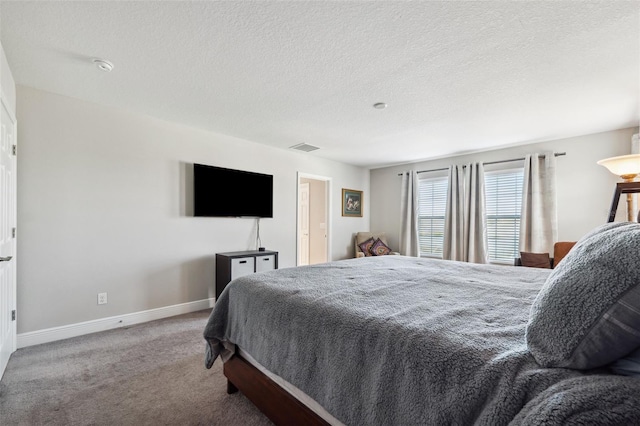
{"x": 14, "y": 150}
{"x": 13, "y": 232}
{"x": 13, "y": 315}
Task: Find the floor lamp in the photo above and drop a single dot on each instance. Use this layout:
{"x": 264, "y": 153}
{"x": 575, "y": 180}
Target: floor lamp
{"x": 627, "y": 167}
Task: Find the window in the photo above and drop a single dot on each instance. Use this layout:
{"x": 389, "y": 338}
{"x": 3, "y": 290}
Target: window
{"x": 432, "y": 201}
{"x": 503, "y": 192}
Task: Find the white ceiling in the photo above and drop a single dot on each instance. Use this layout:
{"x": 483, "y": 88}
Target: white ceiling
{"x": 457, "y": 76}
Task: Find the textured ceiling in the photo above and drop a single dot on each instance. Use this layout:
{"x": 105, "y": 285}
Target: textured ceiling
{"x": 457, "y": 76}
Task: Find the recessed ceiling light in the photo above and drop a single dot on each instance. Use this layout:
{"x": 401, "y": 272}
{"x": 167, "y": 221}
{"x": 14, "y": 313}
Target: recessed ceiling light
{"x": 380, "y": 105}
{"x": 103, "y": 65}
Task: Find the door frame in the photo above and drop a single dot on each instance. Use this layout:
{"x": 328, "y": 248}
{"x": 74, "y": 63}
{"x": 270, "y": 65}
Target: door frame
{"x": 327, "y": 180}
{"x": 14, "y": 303}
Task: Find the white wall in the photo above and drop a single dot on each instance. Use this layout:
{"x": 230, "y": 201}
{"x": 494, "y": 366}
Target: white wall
{"x": 102, "y": 207}
{"x": 6, "y": 81}
{"x": 584, "y": 189}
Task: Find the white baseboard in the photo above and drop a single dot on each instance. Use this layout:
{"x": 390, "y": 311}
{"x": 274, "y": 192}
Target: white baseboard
{"x": 72, "y": 330}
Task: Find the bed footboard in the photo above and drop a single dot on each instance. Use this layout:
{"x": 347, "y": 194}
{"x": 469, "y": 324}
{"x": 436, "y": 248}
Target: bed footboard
{"x": 276, "y": 403}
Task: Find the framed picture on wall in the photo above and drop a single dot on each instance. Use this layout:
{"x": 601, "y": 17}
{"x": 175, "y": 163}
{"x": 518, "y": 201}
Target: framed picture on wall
{"x": 351, "y": 203}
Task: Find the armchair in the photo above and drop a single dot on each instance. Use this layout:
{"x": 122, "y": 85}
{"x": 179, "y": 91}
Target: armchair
{"x": 361, "y": 237}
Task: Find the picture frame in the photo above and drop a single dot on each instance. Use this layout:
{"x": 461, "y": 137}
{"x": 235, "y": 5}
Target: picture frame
{"x": 351, "y": 203}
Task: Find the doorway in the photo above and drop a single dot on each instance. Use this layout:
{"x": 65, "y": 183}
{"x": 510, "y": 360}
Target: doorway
{"x": 7, "y": 234}
{"x": 313, "y": 230}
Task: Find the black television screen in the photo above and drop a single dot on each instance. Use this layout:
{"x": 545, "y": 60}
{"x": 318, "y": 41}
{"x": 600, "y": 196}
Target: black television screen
{"x": 221, "y": 192}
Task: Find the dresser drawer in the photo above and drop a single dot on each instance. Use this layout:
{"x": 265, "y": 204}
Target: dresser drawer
{"x": 242, "y": 266}
{"x": 265, "y": 263}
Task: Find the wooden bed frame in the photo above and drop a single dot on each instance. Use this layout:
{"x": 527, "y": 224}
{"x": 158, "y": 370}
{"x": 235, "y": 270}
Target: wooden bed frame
{"x": 275, "y": 402}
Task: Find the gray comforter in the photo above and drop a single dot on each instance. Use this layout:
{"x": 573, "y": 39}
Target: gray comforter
{"x": 396, "y": 340}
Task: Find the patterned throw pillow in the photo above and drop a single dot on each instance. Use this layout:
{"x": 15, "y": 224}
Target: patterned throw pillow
{"x": 366, "y": 246}
{"x": 379, "y": 248}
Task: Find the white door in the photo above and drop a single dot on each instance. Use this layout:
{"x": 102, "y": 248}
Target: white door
{"x": 303, "y": 224}
{"x": 322, "y": 255}
{"x": 7, "y": 240}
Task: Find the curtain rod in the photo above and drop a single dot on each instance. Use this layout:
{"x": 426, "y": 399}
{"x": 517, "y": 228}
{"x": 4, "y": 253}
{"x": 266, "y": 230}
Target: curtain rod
{"x": 557, "y": 154}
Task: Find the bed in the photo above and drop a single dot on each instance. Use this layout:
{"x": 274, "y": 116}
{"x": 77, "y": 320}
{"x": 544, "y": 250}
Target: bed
{"x": 395, "y": 340}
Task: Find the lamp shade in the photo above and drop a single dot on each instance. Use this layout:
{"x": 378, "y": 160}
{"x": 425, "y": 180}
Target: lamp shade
{"x": 625, "y": 166}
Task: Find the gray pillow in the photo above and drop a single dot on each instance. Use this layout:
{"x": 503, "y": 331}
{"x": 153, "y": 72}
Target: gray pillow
{"x": 629, "y": 365}
{"x": 587, "y": 314}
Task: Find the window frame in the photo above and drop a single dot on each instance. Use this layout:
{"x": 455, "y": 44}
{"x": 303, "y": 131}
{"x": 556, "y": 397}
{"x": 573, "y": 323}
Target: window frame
{"x": 505, "y": 169}
{"x": 439, "y": 177}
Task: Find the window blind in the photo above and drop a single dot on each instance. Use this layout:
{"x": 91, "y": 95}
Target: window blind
{"x": 503, "y": 192}
{"x": 432, "y": 201}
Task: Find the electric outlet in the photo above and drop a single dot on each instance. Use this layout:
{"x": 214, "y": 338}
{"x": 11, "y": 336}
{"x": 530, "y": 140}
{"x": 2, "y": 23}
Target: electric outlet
{"x": 102, "y": 298}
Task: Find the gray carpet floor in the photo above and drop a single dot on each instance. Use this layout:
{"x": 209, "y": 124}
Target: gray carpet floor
{"x": 146, "y": 374}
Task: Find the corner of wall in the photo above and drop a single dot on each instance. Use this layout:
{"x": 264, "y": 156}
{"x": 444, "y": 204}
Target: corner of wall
{"x": 7, "y": 83}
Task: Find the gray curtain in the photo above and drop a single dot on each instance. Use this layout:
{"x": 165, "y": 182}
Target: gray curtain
{"x": 539, "y": 221}
{"x": 409, "y": 215}
{"x": 465, "y": 236}
{"x": 453, "y": 247}
{"x": 475, "y": 230}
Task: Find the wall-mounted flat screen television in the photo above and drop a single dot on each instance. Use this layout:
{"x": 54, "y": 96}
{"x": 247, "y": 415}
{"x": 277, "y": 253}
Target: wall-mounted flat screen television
{"x": 220, "y": 192}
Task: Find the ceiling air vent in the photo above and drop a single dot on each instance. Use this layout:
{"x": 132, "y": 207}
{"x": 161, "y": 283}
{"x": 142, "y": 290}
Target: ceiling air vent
{"x": 304, "y": 147}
